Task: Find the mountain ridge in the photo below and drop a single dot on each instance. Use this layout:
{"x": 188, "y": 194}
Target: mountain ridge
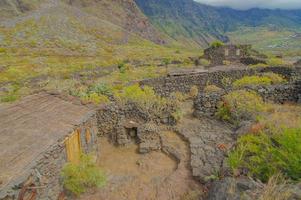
{"x": 203, "y": 23}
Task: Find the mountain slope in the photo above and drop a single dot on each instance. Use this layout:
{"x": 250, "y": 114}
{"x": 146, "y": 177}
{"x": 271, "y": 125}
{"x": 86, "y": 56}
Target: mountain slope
{"x": 201, "y": 23}
{"x": 53, "y": 24}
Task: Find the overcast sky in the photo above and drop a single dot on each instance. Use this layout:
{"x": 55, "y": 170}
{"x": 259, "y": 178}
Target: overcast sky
{"x": 247, "y": 4}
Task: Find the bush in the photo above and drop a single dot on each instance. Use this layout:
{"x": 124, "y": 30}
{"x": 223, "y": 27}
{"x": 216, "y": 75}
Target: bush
{"x": 194, "y": 91}
{"x": 252, "y": 81}
{"x": 264, "y": 155}
{"x": 122, "y": 67}
{"x": 275, "y": 62}
{"x": 177, "y": 115}
{"x": 205, "y": 62}
{"x": 78, "y": 177}
{"x": 178, "y": 96}
{"x": 217, "y": 43}
{"x": 2, "y": 50}
{"x": 101, "y": 89}
{"x": 226, "y": 62}
{"x": 146, "y": 99}
{"x": 239, "y": 105}
{"x": 212, "y": 89}
{"x": 95, "y": 98}
{"x": 275, "y": 78}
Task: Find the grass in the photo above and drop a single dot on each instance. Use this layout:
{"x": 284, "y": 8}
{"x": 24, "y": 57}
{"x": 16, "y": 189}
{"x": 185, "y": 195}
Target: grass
{"x": 275, "y": 189}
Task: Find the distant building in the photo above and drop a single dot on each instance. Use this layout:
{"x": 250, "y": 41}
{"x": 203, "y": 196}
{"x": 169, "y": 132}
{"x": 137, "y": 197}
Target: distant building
{"x": 232, "y": 53}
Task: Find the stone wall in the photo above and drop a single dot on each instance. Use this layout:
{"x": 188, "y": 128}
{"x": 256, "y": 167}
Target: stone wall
{"x": 232, "y": 53}
{"x": 206, "y": 104}
{"x": 114, "y": 121}
{"x": 44, "y": 173}
{"x": 164, "y": 86}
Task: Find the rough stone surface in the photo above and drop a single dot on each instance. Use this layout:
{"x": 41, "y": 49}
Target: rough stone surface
{"x": 231, "y": 53}
{"x": 209, "y": 142}
{"x": 206, "y": 104}
{"x": 234, "y": 189}
{"x": 148, "y": 138}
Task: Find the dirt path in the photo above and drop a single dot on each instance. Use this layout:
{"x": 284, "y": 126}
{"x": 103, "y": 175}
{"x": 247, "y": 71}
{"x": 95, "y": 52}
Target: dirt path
{"x": 209, "y": 142}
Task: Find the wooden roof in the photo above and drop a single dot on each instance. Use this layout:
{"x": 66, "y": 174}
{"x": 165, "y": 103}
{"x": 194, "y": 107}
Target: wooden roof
{"x": 31, "y": 126}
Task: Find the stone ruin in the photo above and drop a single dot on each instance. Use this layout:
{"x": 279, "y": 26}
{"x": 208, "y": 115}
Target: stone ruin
{"x": 234, "y": 54}
{"x": 130, "y": 125}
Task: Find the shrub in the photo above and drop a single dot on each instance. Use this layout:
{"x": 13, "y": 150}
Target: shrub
{"x": 239, "y": 105}
{"x": 9, "y": 98}
{"x": 226, "y": 62}
{"x": 275, "y": 78}
{"x": 146, "y": 99}
{"x": 205, "y": 62}
{"x": 216, "y": 44}
{"x": 194, "y": 91}
{"x": 177, "y": 115}
{"x": 95, "y": 98}
{"x": 85, "y": 174}
{"x": 101, "y": 89}
{"x": 122, "y": 67}
{"x": 264, "y": 155}
{"x": 212, "y": 89}
{"x": 275, "y": 62}
{"x": 178, "y": 96}
{"x": 252, "y": 80}
{"x": 166, "y": 61}
{"x": 2, "y": 50}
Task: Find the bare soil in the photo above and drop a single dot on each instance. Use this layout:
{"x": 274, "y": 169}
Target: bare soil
{"x": 153, "y": 176}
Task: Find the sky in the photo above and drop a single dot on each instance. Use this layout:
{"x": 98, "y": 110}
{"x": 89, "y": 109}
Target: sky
{"x": 247, "y": 4}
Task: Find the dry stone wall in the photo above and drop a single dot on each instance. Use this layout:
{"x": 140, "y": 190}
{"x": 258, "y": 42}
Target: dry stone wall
{"x": 206, "y": 104}
{"x": 164, "y": 86}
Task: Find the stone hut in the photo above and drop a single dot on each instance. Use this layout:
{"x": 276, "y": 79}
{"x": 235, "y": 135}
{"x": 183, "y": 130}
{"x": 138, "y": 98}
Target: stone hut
{"x": 38, "y": 135}
{"x": 231, "y": 53}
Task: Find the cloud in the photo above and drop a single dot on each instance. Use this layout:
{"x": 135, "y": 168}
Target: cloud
{"x": 247, "y": 4}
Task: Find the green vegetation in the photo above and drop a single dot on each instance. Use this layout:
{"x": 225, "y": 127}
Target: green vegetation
{"x": 265, "y": 79}
{"x": 212, "y": 89}
{"x": 266, "y": 154}
{"x": 269, "y": 40}
{"x": 275, "y": 62}
{"x": 145, "y": 98}
{"x": 252, "y": 81}
{"x": 78, "y": 177}
{"x": 217, "y": 44}
{"x": 205, "y": 62}
{"x": 239, "y": 105}
{"x": 275, "y": 78}
{"x": 194, "y": 91}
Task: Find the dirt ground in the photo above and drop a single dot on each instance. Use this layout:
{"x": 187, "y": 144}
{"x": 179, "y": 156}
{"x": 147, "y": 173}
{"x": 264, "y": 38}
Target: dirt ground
{"x": 153, "y": 176}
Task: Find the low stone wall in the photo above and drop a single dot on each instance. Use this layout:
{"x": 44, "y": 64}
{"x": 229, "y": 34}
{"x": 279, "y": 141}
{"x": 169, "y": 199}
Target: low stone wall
{"x": 206, "y": 104}
{"x": 44, "y": 173}
{"x": 164, "y": 86}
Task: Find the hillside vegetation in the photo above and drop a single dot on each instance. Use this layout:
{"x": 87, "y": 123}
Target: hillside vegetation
{"x": 193, "y": 23}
